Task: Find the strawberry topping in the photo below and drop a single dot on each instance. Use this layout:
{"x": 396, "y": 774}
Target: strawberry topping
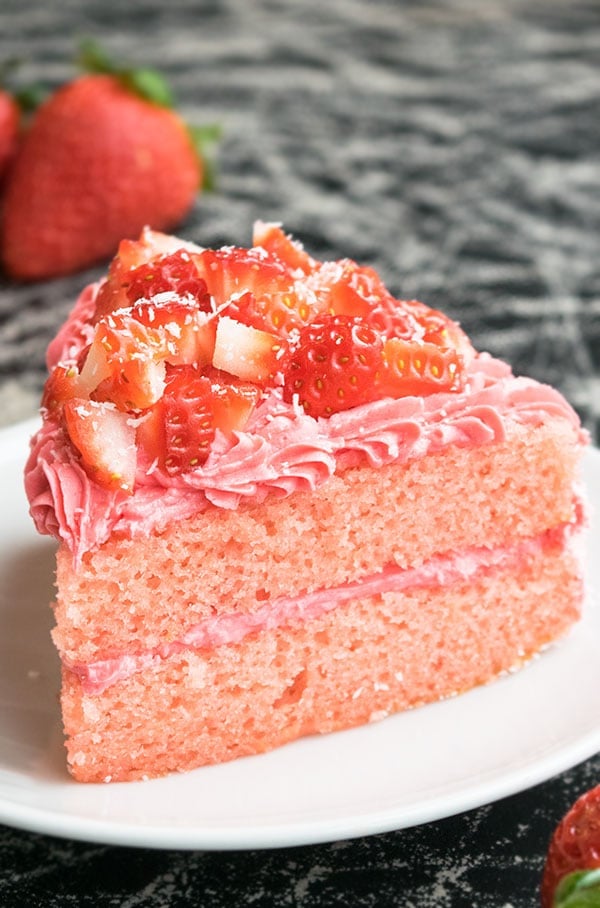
{"x": 176, "y": 272}
{"x": 335, "y": 365}
{"x": 419, "y": 368}
{"x": 187, "y": 342}
{"x": 272, "y": 238}
{"x": 231, "y": 272}
{"x": 179, "y": 429}
{"x": 105, "y": 439}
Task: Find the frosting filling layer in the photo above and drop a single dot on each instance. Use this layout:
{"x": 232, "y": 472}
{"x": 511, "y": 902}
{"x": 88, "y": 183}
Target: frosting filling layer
{"x": 232, "y": 627}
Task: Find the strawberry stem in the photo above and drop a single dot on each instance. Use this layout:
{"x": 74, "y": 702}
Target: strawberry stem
{"x": 148, "y": 84}
{"x": 144, "y": 82}
{"x": 204, "y": 139}
{"x": 93, "y": 58}
{"x": 30, "y": 97}
{"x": 27, "y": 97}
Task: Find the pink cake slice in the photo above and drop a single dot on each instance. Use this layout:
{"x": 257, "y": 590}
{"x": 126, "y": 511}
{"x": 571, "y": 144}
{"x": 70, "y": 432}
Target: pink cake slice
{"x": 286, "y": 504}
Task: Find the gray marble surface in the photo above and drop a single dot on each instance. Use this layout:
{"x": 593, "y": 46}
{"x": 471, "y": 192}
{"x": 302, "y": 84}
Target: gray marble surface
{"x": 453, "y": 145}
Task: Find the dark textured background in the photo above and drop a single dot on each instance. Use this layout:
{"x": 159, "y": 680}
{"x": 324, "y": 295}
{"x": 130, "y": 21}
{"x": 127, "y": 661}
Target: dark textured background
{"x": 453, "y": 145}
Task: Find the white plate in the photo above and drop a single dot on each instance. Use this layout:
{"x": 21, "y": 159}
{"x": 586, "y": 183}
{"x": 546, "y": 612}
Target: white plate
{"x": 409, "y": 769}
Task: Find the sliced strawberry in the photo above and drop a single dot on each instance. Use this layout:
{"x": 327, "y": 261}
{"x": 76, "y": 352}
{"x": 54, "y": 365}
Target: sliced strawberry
{"x": 105, "y": 440}
{"x": 438, "y": 328}
{"x": 187, "y": 331}
{"x": 574, "y": 846}
{"x": 413, "y": 320}
{"x": 62, "y": 384}
{"x": 335, "y": 365}
{"x": 350, "y": 289}
{"x": 179, "y": 429}
{"x": 126, "y": 360}
{"x": 176, "y": 273}
{"x": 272, "y": 238}
{"x": 231, "y": 271}
{"x": 247, "y": 352}
{"x": 281, "y": 313}
{"x": 334, "y": 288}
{"x": 419, "y": 368}
{"x": 133, "y": 254}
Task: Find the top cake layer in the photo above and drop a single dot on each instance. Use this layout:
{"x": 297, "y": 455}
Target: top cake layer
{"x": 195, "y": 378}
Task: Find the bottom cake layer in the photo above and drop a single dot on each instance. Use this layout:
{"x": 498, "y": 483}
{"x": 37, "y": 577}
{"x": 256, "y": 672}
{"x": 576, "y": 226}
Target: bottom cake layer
{"x": 358, "y": 663}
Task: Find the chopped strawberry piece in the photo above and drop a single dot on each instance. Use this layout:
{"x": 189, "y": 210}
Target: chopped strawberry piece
{"x": 416, "y": 367}
{"x": 246, "y": 352}
{"x": 62, "y": 384}
{"x": 175, "y": 272}
{"x": 413, "y": 320}
{"x": 233, "y": 401}
{"x": 335, "y": 365}
{"x": 126, "y": 360}
{"x": 186, "y": 330}
{"x": 105, "y": 439}
{"x": 281, "y": 313}
{"x": 232, "y": 271}
{"x": 133, "y": 254}
{"x": 439, "y": 329}
{"x": 272, "y": 238}
{"x": 351, "y": 289}
{"x": 112, "y": 294}
{"x": 179, "y": 430}
{"x": 393, "y": 318}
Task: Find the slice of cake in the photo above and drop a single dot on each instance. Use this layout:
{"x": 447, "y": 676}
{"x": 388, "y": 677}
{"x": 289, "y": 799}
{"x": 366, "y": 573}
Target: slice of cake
{"x": 287, "y": 503}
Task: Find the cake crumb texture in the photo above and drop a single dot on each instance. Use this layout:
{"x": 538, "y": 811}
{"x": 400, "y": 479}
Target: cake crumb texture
{"x": 359, "y": 663}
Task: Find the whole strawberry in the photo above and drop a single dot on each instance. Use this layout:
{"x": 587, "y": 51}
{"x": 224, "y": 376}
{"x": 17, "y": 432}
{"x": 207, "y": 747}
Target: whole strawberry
{"x": 10, "y": 116}
{"x": 104, "y": 156}
{"x": 572, "y": 871}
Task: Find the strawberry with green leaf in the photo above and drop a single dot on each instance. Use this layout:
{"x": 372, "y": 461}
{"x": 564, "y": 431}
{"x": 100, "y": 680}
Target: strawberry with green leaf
{"x": 571, "y": 876}
{"x": 104, "y": 156}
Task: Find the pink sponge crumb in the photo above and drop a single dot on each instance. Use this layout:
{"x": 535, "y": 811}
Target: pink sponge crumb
{"x": 357, "y": 664}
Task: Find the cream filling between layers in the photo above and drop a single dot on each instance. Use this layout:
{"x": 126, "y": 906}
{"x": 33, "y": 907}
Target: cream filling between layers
{"x": 233, "y": 627}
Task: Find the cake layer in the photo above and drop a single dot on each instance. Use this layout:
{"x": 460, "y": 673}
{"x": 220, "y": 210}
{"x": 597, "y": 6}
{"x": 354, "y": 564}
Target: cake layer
{"x": 234, "y": 626}
{"x": 222, "y": 561}
{"x": 362, "y": 661}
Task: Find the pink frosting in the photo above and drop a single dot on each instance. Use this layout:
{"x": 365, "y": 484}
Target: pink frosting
{"x": 282, "y": 450}
{"x": 233, "y": 627}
